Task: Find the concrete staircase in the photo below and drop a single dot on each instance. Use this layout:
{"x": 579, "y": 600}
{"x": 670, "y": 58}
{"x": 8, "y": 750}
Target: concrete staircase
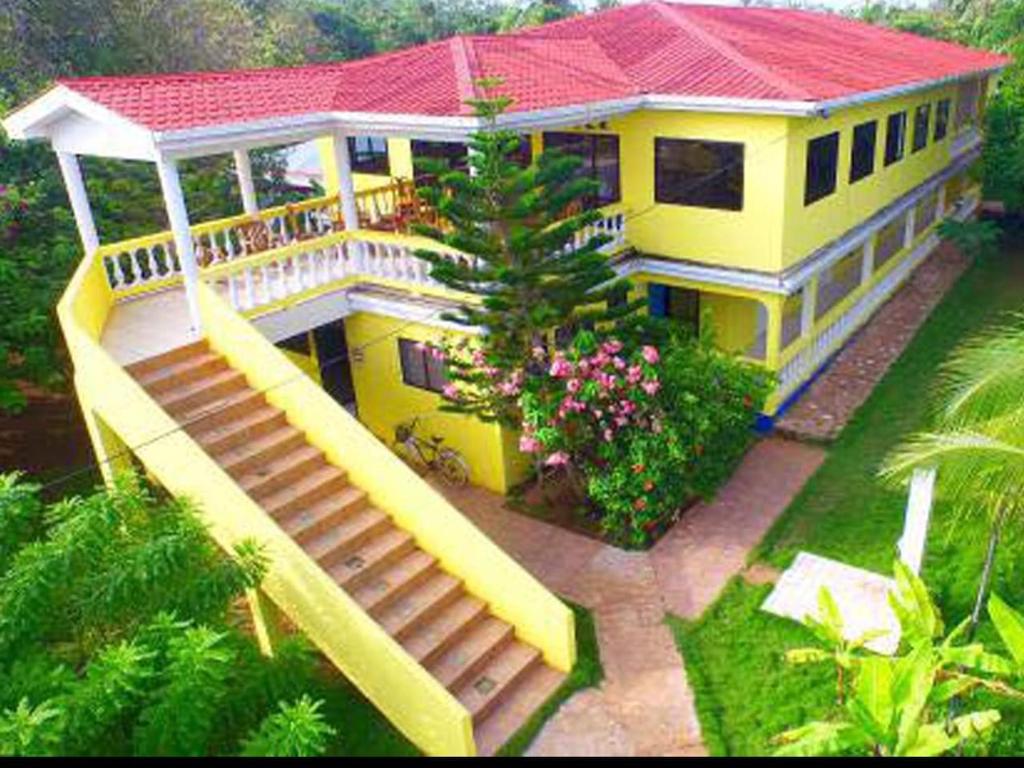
{"x": 452, "y": 634}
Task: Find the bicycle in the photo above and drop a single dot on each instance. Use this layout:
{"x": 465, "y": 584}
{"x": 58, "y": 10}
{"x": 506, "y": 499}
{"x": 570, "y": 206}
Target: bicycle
{"x": 430, "y": 455}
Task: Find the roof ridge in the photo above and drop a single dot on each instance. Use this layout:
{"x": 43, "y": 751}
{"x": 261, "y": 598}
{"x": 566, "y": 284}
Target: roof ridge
{"x": 462, "y": 60}
{"x": 674, "y": 13}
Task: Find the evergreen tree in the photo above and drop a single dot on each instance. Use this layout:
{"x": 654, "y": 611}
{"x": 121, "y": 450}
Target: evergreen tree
{"x": 527, "y": 266}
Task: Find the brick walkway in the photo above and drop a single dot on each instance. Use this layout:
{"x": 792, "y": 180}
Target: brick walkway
{"x": 823, "y": 410}
{"x": 645, "y": 706}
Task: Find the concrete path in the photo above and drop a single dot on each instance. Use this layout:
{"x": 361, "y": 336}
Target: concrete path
{"x": 645, "y": 706}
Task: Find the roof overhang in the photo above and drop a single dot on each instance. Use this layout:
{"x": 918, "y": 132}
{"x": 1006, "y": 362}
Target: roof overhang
{"x": 76, "y": 124}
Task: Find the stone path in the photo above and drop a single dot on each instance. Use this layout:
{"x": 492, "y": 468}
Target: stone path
{"x": 645, "y": 706}
{"x": 823, "y": 410}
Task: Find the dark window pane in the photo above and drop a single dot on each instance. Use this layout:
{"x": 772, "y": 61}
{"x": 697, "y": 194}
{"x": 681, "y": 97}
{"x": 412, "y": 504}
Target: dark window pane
{"x": 297, "y": 343}
{"x": 599, "y": 154}
{"x": 941, "y": 119}
{"x": 862, "y": 156}
{"x": 822, "y": 161}
{"x": 454, "y": 155}
{"x": 707, "y": 174}
{"x": 523, "y": 154}
{"x": 895, "y": 137}
{"x": 435, "y": 372}
{"x": 369, "y": 154}
{"x": 922, "y": 116}
{"x": 419, "y": 366}
{"x": 684, "y": 306}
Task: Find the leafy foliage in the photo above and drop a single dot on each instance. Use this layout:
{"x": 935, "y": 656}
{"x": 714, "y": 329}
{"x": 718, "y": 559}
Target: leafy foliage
{"x": 117, "y": 634}
{"x": 295, "y": 730}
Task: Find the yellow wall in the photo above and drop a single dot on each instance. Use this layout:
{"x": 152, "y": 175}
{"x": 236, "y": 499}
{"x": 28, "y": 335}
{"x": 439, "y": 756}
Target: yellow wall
{"x": 383, "y": 401}
{"x": 807, "y": 228}
{"x": 733, "y": 319}
{"x": 399, "y": 158}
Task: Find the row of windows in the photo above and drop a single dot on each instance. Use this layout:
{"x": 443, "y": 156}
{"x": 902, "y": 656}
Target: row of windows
{"x": 823, "y": 151}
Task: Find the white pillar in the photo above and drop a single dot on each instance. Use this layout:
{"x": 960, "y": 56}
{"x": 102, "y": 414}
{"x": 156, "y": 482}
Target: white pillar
{"x": 244, "y": 170}
{"x": 940, "y": 203}
{"x": 867, "y": 260}
{"x": 79, "y": 198}
{"x": 174, "y": 200}
{"x": 346, "y": 188}
{"x": 808, "y": 306}
{"x": 908, "y": 228}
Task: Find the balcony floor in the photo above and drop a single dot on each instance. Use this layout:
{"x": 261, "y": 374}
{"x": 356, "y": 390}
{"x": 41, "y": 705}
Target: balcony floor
{"x": 147, "y": 325}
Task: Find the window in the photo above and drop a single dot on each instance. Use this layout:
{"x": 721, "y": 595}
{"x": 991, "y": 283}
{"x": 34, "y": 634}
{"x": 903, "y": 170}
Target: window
{"x": 837, "y": 282}
{"x": 681, "y": 304}
{"x": 927, "y": 211}
{"x": 523, "y": 154}
{"x": 890, "y": 240}
{"x": 822, "y": 158}
{"x": 369, "y": 154}
{"x": 706, "y": 174}
{"x": 600, "y": 155}
{"x": 420, "y": 366}
{"x": 967, "y": 97}
{"x": 941, "y": 119}
{"x": 895, "y": 137}
{"x": 922, "y": 116}
{"x": 452, "y": 154}
{"x": 862, "y": 154}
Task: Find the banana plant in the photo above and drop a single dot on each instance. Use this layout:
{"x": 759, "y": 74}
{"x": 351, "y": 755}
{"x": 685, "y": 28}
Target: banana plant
{"x": 898, "y": 705}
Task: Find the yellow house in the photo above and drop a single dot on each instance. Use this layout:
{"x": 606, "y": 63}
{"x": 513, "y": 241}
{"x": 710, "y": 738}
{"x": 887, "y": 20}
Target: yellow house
{"x": 780, "y": 172}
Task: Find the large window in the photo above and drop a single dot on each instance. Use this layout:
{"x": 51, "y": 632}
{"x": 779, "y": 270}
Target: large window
{"x": 862, "y": 154}
{"x": 967, "y": 98}
{"x": 706, "y": 174}
{"x": 600, "y": 156}
{"x": 941, "y": 119}
{"x": 890, "y": 240}
{"x": 895, "y": 137}
{"x": 421, "y": 366}
{"x": 922, "y": 116}
{"x": 452, "y": 154}
{"x": 369, "y": 154}
{"x": 822, "y": 160}
{"x": 837, "y": 282}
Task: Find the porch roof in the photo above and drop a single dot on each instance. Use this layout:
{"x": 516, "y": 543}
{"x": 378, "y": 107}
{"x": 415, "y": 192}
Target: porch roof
{"x": 653, "y": 55}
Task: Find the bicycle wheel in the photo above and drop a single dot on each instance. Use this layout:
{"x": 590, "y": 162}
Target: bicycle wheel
{"x": 453, "y": 468}
{"x": 410, "y": 453}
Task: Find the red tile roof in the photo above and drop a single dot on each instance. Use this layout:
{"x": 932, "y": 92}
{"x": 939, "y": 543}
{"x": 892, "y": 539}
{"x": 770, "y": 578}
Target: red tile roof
{"x": 649, "y": 48}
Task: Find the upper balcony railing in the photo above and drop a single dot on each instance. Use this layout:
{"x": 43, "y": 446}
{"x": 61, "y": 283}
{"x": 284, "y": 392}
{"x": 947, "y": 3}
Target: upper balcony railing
{"x": 264, "y": 258}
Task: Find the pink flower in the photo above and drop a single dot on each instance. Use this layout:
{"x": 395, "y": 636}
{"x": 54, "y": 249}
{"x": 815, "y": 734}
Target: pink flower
{"x": 420, "y": 346}
{"x": 619, "y": 363}
{"x": 651, "y": 387}
{"x": 612, "y": 346}
{"x": 557, "y": 459}
{"x": 607, "y": 435}
{"x": 529, "y": 444}
{"x": 508, "y": 388}
{"x": 634, "y": 374}
{"x": 450, "y": 391}
{"x": 561, "y": 368}
{"x": 650, "y": 354}
{"x": 573, "y": 385}
{"x": 437, "y": 353}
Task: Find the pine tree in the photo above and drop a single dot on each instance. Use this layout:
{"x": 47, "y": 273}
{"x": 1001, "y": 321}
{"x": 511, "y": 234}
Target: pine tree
{"x": 518, "y": 228}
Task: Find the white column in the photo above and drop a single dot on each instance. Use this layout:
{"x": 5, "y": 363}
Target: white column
{"x": 244, "y": 170}
{"x": 808, "y": 306}
{"x": 174, "y": 201}
{"x": 908, "y": 228}
{"x": 346, "y": 188}
{"x": 867, "y": 260}
{"x": 79, "y": 198}
{"x": 940, "y": 205}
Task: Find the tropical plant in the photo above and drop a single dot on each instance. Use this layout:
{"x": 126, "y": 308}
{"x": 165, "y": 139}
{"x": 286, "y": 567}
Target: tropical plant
{"x": 898, "y": 706}
{"x": 118, "y": 633}
{"x": 295, "y": 730}
{"x": 977, "y": 443}
{"x": 976, "y": 238}
{"x": 523, "y": 266}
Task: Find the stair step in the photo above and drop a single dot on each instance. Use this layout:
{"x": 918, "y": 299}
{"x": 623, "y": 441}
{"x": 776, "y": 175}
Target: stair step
{"x": 305, "y": 491}
{"x": 432, "y": 636}
{"x": 369, "y": 559}
{"x": 471, "y": 652}
{"x": 339, "y": 520}
{"x": 176, "y": 355}
{"x": 518, "y": 704}
{"x": 198, "y": 393}
{"x": 396, "y": 580}
{"x": 183, "y": 372}
{"x": 349, "y": 533}
{"x": 427, "y": 599}
{"x": 481, "y": 692}
{"x": 239, "y": 460}
{"x": 249, "y": 426}
{"x": 266, "y": 478}
{"x": 222, "y": 411}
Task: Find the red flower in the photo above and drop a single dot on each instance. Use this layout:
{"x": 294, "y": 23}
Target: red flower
{"x": 650, "y": 525}
{"x": 648, "y": 485}
{"x": 638, "y": 468}
{"x": 640, "y": 505}
{"x": 747, "y": 401}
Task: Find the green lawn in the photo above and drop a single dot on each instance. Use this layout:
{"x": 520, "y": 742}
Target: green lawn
{"x": 745, "y": 692}
{"x": 364, "y": 732}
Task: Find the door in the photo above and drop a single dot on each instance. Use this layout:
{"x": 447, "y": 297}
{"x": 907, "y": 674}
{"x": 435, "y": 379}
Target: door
{"x": 335, "y": 366}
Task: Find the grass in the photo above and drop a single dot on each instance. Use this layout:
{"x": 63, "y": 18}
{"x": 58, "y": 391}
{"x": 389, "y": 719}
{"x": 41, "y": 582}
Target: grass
{"x": 364, "y": 732}
{"x": 745, "y": 692}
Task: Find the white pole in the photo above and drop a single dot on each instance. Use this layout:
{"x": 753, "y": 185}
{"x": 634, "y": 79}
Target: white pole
{"x": 909, "y": 225}
{"x": 867, "y": 260}
{"x": 346, "y": 188}
{"x": 808, "y": 306}
{"x": 79, "y": 198}
{"x": 243, "y": 167}
{"x": 174, "y": 200}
